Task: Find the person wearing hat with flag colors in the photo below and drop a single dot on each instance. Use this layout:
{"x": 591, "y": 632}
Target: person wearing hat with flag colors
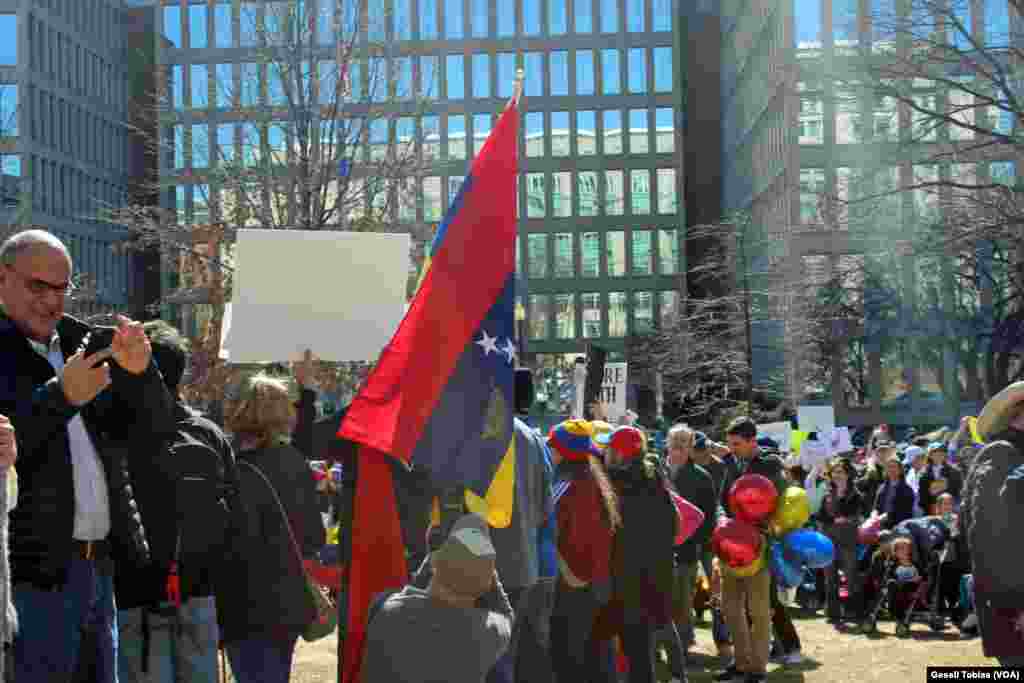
{"x": 588, "y": 517}
{"x": 993, "y": 505}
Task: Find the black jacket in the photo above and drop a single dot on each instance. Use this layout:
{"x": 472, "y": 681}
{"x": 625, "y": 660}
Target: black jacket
{"x": 954, "y": 483}
{"x": 901, "y": 506}
{"x": 693, "y": 483}
{"x": 265, "y": 591}
{"x": 124, "y": 421}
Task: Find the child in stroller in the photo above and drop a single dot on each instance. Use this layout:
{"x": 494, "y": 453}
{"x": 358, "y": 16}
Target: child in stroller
{"x": 906, "y": 577}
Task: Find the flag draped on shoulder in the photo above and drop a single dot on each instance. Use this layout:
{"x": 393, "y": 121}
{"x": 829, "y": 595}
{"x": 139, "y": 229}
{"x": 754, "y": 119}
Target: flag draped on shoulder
{"x": 441, "y": 393}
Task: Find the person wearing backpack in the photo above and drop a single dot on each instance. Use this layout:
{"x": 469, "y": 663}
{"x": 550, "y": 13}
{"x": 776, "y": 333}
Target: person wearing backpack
{"x": 263, "y": 604}
{"x": 167, "y": 623}
{"x": 993, "y": 505}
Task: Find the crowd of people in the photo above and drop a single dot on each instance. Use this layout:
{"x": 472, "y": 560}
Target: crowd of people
{"x": 141, "y": 537}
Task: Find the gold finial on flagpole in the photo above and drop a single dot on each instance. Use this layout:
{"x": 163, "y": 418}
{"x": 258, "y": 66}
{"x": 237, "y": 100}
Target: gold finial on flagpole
{"x": 517, "y": 91}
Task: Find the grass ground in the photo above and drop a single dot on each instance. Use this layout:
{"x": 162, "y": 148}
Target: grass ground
{"x": 831, "y": 656}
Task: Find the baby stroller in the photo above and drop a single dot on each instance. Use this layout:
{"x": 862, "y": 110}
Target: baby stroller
{"x": 929, "y": 538}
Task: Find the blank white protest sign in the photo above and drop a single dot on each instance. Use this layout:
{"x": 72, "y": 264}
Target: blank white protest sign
{"x": 341, "y": 294}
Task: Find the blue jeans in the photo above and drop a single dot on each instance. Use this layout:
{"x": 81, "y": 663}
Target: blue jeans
{"x": 182, "y": 643}
{"x": 262, "y": 659}
{"x": 47, "y": 647}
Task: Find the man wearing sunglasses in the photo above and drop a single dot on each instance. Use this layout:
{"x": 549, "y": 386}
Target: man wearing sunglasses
{"x": 76, "y": 417}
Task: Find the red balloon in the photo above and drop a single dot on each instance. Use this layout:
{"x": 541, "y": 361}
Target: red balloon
{"x": 736, "y": 543}
{"x": 752, "y": 498}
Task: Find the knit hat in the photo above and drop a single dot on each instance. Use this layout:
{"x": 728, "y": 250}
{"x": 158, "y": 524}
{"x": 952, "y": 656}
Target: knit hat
{"x": 629, "y": 442}
{"x": 465, "y": 562}
{"x": 573, "y": 440}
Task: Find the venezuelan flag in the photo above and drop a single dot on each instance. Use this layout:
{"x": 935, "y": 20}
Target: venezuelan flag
{"x": 441, "y": 394}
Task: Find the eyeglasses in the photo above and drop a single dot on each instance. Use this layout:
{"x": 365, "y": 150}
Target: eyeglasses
{"x": 42, "y": 287}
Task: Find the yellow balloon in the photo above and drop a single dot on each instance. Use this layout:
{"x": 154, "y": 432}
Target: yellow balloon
{"x": 752, "y": 568}
{"x": 792, "y": 512}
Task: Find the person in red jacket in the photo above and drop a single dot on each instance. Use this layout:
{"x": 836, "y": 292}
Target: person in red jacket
{"x": 587, "y": 513}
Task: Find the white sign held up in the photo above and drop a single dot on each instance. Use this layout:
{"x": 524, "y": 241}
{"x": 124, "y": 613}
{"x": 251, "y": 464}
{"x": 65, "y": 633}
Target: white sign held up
{"x": 613, "y": 390}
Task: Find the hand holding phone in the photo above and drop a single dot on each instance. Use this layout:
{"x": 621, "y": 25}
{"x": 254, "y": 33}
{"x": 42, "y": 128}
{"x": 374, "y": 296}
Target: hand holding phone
{"x": 100, "y": 338}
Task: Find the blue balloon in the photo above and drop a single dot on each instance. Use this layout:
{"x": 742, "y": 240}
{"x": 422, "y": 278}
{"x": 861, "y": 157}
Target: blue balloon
{"x": 813, "y": 548}
{"x": 787, "y": 571}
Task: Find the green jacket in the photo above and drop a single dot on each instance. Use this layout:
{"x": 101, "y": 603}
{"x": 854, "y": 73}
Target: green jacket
{"x": 693, "y": 483}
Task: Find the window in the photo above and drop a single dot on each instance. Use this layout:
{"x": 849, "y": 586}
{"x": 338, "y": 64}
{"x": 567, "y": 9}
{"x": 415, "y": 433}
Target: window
{"x": 456, "y": 137}
{"x": 177, "y": 87}
{"x": 612, "y": 131}
{"x": 403, "y": 78}
{"x": 643, "y": 252}
{"x": 200, "y": 86}
{"x": 997, "y": 24}
{"x": 886, "y": 120}
{"x": 172, "y": 29}
{"x": 584, "y": 72}
{"x": 616, "y": 314}
{"x": 615, "y": 253}
{"x": 481, "y": 129}
{"x": 179, "y": 203}
{"x": 197, "y": 26}
{"x": 662, "y": 12}
{"x": 845, "y": 33}
{"x": 590, "y": 303}
{"x": 584, "y": 16}
{"x": 430, "y": 79}
{"x": 560, "y": 133}
{"x": 9, "y": 110}
{"x": 433, "y": 209}
{"x": 10, "y": 164}
{"x": 884, "y": 25}
{"x": 614, "y": 197}
{"x": 533, "y": 63}
{"x": 611, "y": 79}
{"x": 506, "y": 71}
{"x": 224, "y": 85}
{"x": 531, "y": 17}
{"x": 1003, "y": 172}
{"x": 926, "y": 199}
{"x": 250, "y": 144}
{"x": 455, "y": 183}
{"x": 643, "y": 312}
{"x": 378, "y": 139}
{"x": 669, "y": 311}
{"x": 481, "y": 76}
{"x": 248, "y": 29}
{"x": 558, "y": 65}
{"x": 848, "y": 120}
{"x": 480, "y": 18}
{"x": 455, "y": 77}
{"x": 454, "y": 19}
{"x": 586, "y": 133}
{"x": 405, "y": 137}
{"x": 668, "y": 252}
{"x": 664, "y": 130}
{"x": 565, "y": 316}
{"x": 558, "y": 18}
{"x": 537, "y": 256}
{"x": 640, "y": 191}
{"x": 539, "y": 316}
{"x": 636, "y": 63}
{"x": 812, "y": 117}
{"x": 401, "y": 26}
{"x": 590, "y": 254}
{"x": 250, "y": 84}
{"x": 565, "y": 266}
{"x": 667, "y": 191}
{"x": 812, "y": 187}
{"x": 534, "y": 132}
{"x": 431, "y": 137}
{"x": 223, "y": 33}
{"x": 506, "y": 18}
{"x": 638, "y": 131}
{"x": 179, "y": 146}
{"x": 635, "y": 16}
{"x": 536, "y": 196}
{"x": 609, "y": 16}
{"x": 225, "y": 142}
{"x": 561, "y": 195}
{"x": 663, "y": 78}
{"x": 201, "y": 146}
{"x": 959, "y": 23}
{"x": 325, "y": 28}
{"x": 587, "y": 191}
{"x": 846, "y": 190}
{"x": 808, "y": 24}
{"x": 962, "y": 110}
{"x": 428, "y": 20}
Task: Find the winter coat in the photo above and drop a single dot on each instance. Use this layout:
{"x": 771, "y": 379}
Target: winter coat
{"x": 850, "y": 507}
{"x": 954, "y": 483}
{"x": 901, "y": 506}
{"x": 584, "y": 531}
{"x": 693, "y": 483}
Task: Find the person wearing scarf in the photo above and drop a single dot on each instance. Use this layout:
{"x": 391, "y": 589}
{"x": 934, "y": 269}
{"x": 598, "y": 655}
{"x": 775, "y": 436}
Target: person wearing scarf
{"x": 840, "y": 515}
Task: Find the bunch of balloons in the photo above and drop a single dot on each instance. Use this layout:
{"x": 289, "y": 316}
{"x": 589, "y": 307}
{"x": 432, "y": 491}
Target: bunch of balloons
{"x": 743, "y": 548}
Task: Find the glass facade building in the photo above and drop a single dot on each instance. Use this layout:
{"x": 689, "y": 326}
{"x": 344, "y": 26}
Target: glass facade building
{"x": 64, "y": 132}
{"x": 600, "y": 189}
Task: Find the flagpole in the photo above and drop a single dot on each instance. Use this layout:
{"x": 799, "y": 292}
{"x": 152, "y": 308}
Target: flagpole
{"x": 517, "y": 89}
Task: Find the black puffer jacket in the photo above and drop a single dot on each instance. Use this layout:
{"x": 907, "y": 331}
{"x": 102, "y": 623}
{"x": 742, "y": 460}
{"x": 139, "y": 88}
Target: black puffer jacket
{"x": 264, "y": 591}
{"x": 124, "y": 421}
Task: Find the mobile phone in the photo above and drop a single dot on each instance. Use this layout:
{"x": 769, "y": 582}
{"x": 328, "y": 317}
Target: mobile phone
{"x": 101, "y": 337}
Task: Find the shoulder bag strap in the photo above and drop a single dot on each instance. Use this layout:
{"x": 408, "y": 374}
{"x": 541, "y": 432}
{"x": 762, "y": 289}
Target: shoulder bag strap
{"x": 284, "y": 515}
